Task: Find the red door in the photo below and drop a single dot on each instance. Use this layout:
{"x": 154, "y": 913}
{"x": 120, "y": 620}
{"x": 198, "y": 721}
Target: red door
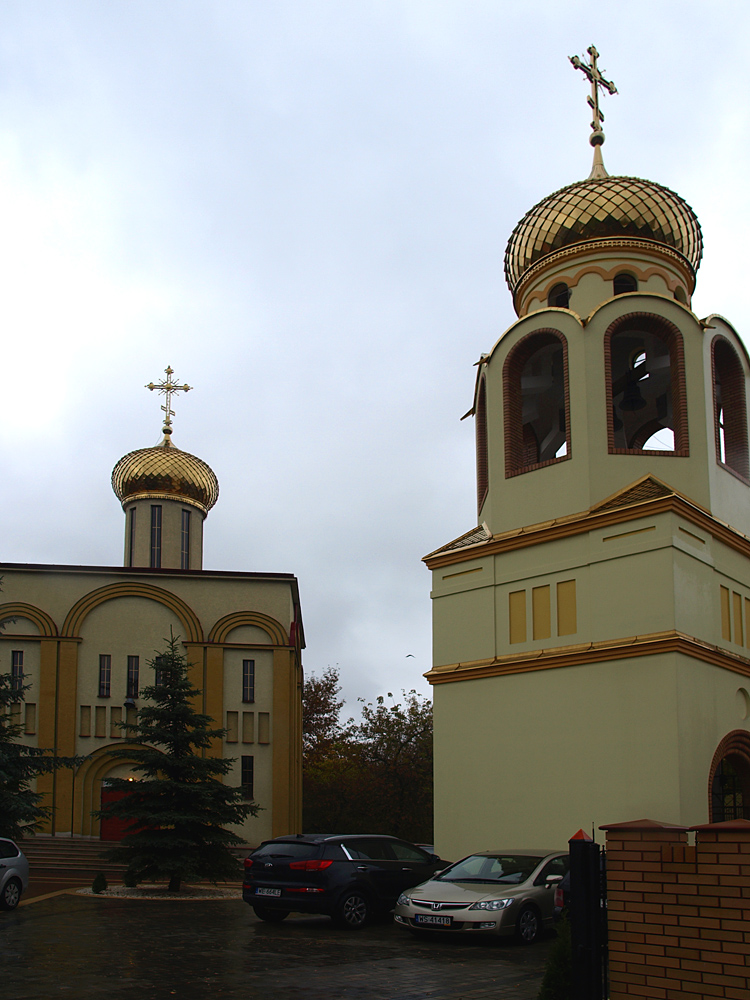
{"x": 112, "y": 828}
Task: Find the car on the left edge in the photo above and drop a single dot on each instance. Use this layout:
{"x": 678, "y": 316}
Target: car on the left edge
{"x": 350, "y": 877}
{"x": 14, "y": 874}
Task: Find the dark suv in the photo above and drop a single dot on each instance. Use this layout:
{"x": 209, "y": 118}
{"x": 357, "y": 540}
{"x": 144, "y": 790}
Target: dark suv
{"x": 349, "y": 877}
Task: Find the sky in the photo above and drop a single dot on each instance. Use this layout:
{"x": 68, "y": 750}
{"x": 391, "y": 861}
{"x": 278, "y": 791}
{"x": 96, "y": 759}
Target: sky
{"x": 302, "y": 206}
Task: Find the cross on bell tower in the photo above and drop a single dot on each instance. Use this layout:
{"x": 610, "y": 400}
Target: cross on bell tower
{"x": 597, "y": 81}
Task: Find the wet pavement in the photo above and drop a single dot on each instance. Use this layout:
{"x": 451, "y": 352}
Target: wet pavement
{"x": 89, "y": 948}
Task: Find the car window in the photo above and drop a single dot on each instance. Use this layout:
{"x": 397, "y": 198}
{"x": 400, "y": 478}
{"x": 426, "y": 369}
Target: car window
{"x": 370, "y": 848}
{"x": 557, "y": 866}
{"x": 8, "y": 849}
{"x": 511, "y": 869}
{"x": 408, "y": 852}
{"x": 287, "y": 849}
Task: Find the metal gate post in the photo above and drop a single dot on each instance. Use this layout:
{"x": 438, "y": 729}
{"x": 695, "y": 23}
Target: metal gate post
{"x": 586, "y": 918}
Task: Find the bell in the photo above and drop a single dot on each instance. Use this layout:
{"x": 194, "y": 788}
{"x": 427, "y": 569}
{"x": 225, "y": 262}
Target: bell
{"x": 632, "y": 398}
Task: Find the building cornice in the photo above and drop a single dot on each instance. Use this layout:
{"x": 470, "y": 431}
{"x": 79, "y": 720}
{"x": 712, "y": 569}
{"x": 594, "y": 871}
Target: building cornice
{"x": 653, "y": 644}
{"x": 578, "y": 524}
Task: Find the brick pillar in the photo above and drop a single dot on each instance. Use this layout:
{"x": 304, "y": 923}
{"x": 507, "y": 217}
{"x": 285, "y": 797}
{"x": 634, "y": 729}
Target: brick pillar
{"x": 642, "y": 900}
{"x": 679, "y": 916}
{"x": 723, "y": 862}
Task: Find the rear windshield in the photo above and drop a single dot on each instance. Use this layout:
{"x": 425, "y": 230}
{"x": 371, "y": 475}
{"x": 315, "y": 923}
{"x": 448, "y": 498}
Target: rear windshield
{"x": 287, "y": 849}
{"x": 508, "y": 869}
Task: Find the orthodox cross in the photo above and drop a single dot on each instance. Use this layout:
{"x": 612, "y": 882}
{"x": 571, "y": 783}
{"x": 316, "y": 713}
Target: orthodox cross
{"x": 167, "y": 387}
{"x": 597, "y": 81}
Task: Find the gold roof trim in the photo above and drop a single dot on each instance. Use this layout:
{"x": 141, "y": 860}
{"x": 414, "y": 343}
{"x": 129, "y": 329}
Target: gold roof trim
{"x": 607, "y": 243}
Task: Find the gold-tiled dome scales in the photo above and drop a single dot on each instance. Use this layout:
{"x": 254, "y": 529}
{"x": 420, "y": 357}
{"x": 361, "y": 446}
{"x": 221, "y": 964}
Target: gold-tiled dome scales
{"x": 165, "y": 471}
{"x": 600, "y": 208}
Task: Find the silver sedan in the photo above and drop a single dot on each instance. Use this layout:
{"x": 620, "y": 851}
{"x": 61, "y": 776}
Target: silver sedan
{"x": 495, "y": 892}
{"x": 14, "y": 874}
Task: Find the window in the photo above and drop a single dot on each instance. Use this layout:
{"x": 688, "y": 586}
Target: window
{"x": 559, "y": 296}
{"x": 185, "y": 541}
{"x": 160, "y": 670}
{"x": 730, "y": 411}
{"x": 625, "y": 282}
{"x": 482, "y": 456}
{"x": 246, "y": 780}
{"x": 156, "y": 537}
{"x": 105, "y": 675}
{"x": 248, "y": 680}
{"x": 536, "y": 402}
{"x": 646, "y": 396}
{"x": 131, "y": 537}
{"x": 16, "y": 670}
{"x": 133, "y": 676}
{"x": 729, "y": 790}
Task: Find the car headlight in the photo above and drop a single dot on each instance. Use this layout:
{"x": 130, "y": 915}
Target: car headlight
{"x": 491, "y": 904}
{"x": 403, "y": 900}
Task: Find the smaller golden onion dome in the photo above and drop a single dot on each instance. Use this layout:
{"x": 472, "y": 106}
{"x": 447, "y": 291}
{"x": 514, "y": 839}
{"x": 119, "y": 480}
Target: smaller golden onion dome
{"x": 602, "y": 208}
{"x": 165, "y": 472}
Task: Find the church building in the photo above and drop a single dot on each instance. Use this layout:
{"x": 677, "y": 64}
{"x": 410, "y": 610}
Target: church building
{"x": 81, "y": 637}
{"x": 592, "y": 633}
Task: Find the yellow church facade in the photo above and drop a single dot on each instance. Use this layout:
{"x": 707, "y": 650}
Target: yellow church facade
{"x": 82, "y": 638}
{"x": 591, "y": 635}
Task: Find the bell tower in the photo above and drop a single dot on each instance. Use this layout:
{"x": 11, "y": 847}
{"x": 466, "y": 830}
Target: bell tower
{"x": 591, "y": 634}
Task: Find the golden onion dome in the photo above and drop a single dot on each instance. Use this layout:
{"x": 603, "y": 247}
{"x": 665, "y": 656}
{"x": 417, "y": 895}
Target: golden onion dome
{"x": 165, "y": 472}
{"x": 603, "y": 208}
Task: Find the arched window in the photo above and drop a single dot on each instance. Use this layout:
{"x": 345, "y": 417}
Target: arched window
{"x": 646, "y": 396}
{"x": 729, "y": 782}
{"x": 730, "y": 412}
{"x": 625, "y": 282}
{"x": 536, "y": 402}
{"x": 559, "y": 296}
{"x": 483, "y": 481}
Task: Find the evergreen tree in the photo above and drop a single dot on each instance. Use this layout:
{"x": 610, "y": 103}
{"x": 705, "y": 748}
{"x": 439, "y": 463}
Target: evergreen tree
{"x": 20, "y": 809}
{"x": 178, "y": 811}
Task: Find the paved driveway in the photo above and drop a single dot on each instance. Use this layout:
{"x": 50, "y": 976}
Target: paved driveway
{"x": 88, "y": 948}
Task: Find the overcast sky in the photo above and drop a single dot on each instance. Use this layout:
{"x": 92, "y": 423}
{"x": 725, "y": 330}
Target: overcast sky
{"x": 303, "y": 206}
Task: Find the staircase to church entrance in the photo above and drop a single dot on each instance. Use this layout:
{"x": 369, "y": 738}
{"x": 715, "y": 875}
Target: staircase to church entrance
{"x": 66, "y": 862}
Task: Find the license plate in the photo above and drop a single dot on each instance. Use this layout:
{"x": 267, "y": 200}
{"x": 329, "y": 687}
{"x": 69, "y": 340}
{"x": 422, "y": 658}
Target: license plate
{"x": 427, "y": 918}
{"x": 268, "y": 892}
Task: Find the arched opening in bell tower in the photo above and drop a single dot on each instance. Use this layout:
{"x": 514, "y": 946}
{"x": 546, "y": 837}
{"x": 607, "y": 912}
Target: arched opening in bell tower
{"x": 730, "y": 413}
{"x": 645, "y": 387}
{"x": 535, "y": 382}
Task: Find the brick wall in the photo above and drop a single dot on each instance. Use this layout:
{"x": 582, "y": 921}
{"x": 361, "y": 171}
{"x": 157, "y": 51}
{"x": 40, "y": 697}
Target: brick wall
{"x": 679, "y": 915}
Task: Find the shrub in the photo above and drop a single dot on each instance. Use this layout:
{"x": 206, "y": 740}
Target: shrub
{"x": 100, "y": 883}
{"x": 557, "y": 983}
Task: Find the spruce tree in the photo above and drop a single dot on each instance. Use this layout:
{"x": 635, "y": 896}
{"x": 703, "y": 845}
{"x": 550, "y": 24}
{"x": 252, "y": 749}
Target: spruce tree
{"x": 178, "y": 811}
{"x": 20, "y": 809}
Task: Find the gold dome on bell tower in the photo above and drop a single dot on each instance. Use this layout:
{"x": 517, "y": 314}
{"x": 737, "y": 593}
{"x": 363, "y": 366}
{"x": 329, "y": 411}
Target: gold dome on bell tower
{"x": 601, "y": 215}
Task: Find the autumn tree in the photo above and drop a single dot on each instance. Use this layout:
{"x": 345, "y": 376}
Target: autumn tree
{"x": 371, "y": 776}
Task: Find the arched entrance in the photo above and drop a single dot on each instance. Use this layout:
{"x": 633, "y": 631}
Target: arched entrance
{"x": 729, "y": 783}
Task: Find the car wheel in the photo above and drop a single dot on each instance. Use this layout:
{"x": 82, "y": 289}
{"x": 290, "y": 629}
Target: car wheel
{"x": 529, "y": 925}
{"x": 10, "y": 895}
{"x": 272, "y": 916}
{"x": 353, "y": 910}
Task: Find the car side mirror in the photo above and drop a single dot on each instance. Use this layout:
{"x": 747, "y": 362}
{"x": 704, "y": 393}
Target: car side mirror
{"x": 553, "y": 879}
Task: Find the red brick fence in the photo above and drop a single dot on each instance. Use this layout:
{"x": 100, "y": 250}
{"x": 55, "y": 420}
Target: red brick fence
{"x": 679, "y": 915}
